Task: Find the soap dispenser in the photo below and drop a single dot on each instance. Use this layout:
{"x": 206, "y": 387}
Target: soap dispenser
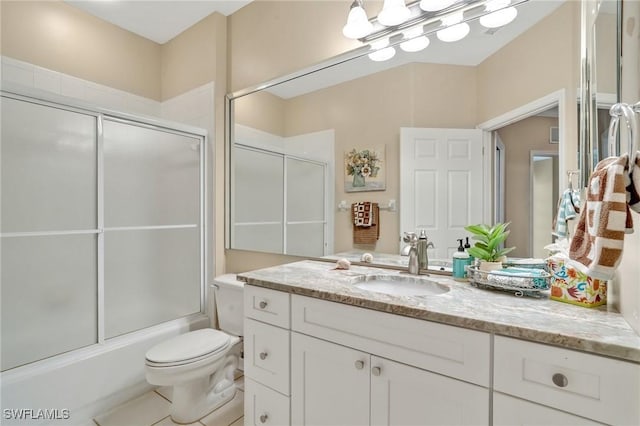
{"x": 460, "y": 261}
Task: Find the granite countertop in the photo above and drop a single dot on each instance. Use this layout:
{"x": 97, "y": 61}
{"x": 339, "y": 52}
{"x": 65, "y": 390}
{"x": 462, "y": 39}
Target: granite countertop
{"x": 600, "y": 331}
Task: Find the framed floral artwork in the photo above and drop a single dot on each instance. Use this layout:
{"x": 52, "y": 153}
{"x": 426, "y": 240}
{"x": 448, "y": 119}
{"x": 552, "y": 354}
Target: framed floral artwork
{"x": 365, "y": 170}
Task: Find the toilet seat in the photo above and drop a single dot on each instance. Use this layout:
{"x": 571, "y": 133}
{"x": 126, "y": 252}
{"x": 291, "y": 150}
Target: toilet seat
{"x": 189, "y": 348}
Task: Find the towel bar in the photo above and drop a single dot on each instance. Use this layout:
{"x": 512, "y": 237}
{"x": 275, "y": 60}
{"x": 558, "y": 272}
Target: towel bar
{"x": 390, "y": 206}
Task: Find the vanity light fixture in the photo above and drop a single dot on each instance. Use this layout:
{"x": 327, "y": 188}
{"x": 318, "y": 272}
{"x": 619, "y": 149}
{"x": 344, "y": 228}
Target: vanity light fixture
{"x": 435, "y": 5}
{"x": 455, "y": 29}
{"x": 394, "y": 12}
{"x": 500, "y": 14}
{"x": 358, "y": 24}
{"x": 408, "y": 25}
{"x": 381, "y": 51}
{"x": 415, "y": 40}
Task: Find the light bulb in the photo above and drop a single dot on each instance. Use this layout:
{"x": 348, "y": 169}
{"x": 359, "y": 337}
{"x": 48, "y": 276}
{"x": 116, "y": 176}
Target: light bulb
{"x": 358, "y": 25}
{"x": 381, "y": 51}
{"x": 394, "y": 12}
{"x": 435, "y": 5}
{"x": 499, "y": 18}
{"x": 454, "y": 33}
{"x": 415, "y": 40}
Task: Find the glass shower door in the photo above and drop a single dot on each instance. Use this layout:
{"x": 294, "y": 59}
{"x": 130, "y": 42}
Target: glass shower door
{"x": 152, "y": 226}
{"x": 48, "y": 231}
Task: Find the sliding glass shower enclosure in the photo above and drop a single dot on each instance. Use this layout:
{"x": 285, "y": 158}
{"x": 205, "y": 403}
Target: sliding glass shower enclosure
{"x": 101, "y": 226}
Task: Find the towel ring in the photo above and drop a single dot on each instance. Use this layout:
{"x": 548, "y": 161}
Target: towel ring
{"x": 627, "y": 112}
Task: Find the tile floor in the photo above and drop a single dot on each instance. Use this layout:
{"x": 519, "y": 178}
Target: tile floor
{"x": 152, "y": 409}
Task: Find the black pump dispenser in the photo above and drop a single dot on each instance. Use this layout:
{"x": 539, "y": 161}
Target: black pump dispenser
{"x": 467, "y": 245}
{"x": 460, "y": 247}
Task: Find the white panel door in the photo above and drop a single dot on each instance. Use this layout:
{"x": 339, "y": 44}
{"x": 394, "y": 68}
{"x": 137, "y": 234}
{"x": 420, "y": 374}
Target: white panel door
{"x": 329, "y": 383}
{"x": 404, "y": 395}
{"x": 441, "y": 184}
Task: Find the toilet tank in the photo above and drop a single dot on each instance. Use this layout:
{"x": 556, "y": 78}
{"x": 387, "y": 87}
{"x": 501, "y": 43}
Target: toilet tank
{"x": 229, "y": 303}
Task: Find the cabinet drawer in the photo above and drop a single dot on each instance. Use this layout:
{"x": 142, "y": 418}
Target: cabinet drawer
{"x": 266, "y": 355}
{"x": 451, "y": 351}
{"x": 602, "y": 389}
{"x": 267, "y": 305}
{"x": 510, "y": 411}
{"x": 264, "y": 406}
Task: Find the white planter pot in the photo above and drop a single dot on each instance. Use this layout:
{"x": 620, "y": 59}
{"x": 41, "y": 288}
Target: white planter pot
{"x": 489, "y": 266}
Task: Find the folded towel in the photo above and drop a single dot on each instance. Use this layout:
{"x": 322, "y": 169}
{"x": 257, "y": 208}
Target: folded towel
{"x": 604, "y": 220}
{"x": 362, "y": 214}
{"x": 520, "y": 277}
{"x": 568, "y": 208}
{"x": 633, "y": 184}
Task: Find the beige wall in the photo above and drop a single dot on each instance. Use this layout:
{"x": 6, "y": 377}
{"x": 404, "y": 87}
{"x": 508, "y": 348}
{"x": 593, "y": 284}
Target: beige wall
{"x": 262, "y": 111}
{"x": 59, "y": 37}
{"x": 530, "y": 134}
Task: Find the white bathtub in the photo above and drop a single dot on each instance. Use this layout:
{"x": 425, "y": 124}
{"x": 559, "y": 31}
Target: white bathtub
{"x": 76, "y": 386}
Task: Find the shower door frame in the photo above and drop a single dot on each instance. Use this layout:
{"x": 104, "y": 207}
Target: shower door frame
{"x": 100, "y": 115}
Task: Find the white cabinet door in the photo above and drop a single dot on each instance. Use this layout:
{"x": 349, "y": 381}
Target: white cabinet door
{"x": 509, "y": 411}
{"x": 264, "y": 406}
{"x": 404, "y": 395}
{"x": 329, "y": 383}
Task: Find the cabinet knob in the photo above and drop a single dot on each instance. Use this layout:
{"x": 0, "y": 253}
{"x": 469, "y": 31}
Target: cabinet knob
{"x": 263, "y": 304}
{"x": 263, "y": 418}
{"x": 263, "y": 355}
{"x": 359, "y": 365}
{"x": 376, "y": 371}
{"x": 560, "y": 380}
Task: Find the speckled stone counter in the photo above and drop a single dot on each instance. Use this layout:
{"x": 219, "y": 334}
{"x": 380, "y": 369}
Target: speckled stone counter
{"x": 599, "y": 331}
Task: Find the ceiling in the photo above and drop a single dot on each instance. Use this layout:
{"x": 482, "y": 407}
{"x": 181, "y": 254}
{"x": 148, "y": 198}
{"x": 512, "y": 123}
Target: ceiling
{"x": 159, "y": 21}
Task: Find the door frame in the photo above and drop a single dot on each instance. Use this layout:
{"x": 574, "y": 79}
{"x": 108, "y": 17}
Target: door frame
{"x": 557, "y": 98}
{"x": 532, "y": 154}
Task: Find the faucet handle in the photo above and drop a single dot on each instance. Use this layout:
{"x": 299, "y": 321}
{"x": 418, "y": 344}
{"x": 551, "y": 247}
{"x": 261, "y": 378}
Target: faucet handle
{"x": 410, "y": 237}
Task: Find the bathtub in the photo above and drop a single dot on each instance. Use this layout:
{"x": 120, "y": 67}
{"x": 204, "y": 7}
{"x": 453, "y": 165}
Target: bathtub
{"x": 72, "y": 388}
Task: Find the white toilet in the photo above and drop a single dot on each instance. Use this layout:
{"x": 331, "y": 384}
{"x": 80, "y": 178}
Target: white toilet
{"x": 200, "y": 364}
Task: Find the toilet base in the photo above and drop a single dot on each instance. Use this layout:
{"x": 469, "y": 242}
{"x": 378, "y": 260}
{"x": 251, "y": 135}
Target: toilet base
{"x": 193, "y": 400}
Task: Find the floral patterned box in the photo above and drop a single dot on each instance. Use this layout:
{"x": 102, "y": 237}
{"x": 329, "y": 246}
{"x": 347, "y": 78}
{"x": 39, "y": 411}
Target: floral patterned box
{"x": 572, "y": 286}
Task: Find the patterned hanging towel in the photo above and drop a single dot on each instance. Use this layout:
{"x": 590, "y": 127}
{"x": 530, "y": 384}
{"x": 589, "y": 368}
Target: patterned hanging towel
{"x": 633, "y": 184}
{"x": 362, "y": 214}
{"x": 568, "y": 208}
{"x": 605, "y": 219}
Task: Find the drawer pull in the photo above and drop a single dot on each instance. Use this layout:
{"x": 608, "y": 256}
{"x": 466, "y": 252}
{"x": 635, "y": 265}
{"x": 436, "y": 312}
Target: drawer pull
{"x": 376, "y": 371}
{"x": 560, "y": 380}
{"x": 263, "y": 304}
{"x": 359, "y": 365}
{"x": 263, "y": 418}
{"x": 263, "y": 355}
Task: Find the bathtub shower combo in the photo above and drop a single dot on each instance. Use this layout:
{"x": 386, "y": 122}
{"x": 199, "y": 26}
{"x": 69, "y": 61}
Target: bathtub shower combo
{"x": 102, "y": 251}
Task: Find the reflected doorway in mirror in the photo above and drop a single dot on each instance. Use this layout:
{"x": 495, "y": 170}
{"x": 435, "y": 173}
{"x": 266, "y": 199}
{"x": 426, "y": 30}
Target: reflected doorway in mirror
{"x": 365, "y": 170}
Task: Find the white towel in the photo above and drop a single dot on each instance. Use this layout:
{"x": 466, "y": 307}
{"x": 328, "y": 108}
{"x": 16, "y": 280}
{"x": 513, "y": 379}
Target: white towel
{"x": 568, "y": 208}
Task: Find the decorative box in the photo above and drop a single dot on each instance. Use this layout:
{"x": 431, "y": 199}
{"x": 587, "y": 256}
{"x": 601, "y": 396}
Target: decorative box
{"x": 569, "y": 285}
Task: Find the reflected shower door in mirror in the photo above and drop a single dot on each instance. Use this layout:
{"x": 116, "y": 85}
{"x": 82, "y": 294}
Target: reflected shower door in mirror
{"x": 282, "y": 192}
{"x": 448, "y": 85}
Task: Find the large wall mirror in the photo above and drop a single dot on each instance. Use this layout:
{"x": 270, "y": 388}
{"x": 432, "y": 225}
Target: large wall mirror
{"x": 518, "y": 86}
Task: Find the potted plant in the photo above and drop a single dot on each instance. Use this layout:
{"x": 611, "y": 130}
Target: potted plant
{"x": 487, "y": 248}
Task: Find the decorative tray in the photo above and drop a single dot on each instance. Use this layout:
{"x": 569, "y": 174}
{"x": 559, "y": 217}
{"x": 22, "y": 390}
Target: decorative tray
{"x": 513, "y": 280}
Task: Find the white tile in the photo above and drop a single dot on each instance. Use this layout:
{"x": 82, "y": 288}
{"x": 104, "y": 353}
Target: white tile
{"x": 14, "y": 73}
{"x": 166, "y": 392}
{"x": 168, "y": 422}
{"x": 228, "y": 413}
{"x": 142, "y": 411}
{"x": 239, "y": 422}
{"x": 48, "y": 80}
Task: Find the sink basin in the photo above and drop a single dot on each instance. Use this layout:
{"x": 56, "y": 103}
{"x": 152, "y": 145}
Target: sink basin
{"x": 400, "y": 285}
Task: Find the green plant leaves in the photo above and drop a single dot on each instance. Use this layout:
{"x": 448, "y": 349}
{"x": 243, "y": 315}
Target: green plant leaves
{"x": 489, "y": 240}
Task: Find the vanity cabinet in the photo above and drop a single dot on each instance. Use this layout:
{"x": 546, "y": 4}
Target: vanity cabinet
{"x": 354, "y": 366}
{"x": 266, "y": 356}
{"x": 562, "y": 386}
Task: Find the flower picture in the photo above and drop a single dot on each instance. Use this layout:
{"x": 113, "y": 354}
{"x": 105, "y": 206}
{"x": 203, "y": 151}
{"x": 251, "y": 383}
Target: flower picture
{"x": 364, "y": 170}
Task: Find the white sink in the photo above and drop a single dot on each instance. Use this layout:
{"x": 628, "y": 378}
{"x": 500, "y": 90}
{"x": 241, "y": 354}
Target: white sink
{"x": 400, "y": 285}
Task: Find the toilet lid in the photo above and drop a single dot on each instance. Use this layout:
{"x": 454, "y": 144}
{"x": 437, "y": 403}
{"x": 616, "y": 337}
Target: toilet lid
{"x": 194, "y": 344}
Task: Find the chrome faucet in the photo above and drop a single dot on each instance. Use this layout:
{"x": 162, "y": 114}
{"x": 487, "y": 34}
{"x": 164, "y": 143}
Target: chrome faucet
{"x": 417, "y": 252}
